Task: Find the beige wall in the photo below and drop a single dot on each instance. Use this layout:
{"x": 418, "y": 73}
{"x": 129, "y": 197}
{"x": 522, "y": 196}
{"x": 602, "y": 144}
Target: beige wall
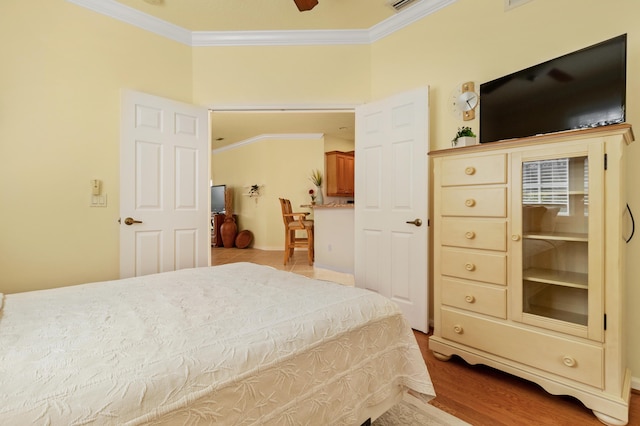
{"x": 281, "y": 75}
{"x": 283, "y": 166}
{"x": 338, "y": 144}
{"x": 478, "y": 41}
{"x": 62, "y": 68}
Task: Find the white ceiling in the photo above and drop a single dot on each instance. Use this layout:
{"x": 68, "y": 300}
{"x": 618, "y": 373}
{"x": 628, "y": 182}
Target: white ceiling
{"x": 265, "y": 15}
{"x": 241, "y": 127}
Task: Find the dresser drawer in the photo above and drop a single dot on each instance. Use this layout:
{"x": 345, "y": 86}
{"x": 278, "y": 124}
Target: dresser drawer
{"x": 582, "y": 362}
{"x": 474, "y": 265}
{"x": 478, "y": 202}
{"x": 474, "y": 233}
{"x": 479, "y": 298}
{"x": 474, "y": 170}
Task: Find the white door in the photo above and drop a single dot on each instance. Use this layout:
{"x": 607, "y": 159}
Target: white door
{"x": 391, "y": 198}
{"x": 164, "y": 185}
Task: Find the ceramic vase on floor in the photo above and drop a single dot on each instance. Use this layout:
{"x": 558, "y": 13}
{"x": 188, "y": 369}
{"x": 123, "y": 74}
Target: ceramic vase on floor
{"x": 228, "y": 232}
{"x": 319, "y": 199}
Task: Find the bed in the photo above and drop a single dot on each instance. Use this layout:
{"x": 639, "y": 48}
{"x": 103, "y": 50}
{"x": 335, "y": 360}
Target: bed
{"x": 240, "y": 344}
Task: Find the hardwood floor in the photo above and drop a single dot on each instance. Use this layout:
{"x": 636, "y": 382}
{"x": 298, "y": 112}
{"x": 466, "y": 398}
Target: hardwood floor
{"x": 481, "y": 395}
{"x": 477, "y": 394}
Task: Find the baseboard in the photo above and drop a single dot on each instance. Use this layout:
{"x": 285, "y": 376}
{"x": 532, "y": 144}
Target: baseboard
{"x": 270, "y": 248}
{"x": 331, "y": 268}
{"x": 334, "y": 276}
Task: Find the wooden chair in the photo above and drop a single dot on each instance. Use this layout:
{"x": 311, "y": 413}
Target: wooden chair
{"x": 294, "y": 222}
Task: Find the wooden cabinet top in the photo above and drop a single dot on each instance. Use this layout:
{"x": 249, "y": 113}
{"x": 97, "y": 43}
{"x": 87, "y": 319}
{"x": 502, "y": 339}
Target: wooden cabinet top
{"x": 623, "y": 129}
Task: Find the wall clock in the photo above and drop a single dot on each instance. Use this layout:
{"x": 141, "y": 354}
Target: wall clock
{"x": 464, "y": 101}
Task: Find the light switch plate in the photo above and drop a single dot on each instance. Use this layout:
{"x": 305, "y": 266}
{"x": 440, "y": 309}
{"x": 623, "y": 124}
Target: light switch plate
{"x": 98, "y": 200}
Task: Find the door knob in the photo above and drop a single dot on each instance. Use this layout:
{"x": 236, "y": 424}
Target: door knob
{"x": 131, "y": 221}
{"x": 416, "y": 222}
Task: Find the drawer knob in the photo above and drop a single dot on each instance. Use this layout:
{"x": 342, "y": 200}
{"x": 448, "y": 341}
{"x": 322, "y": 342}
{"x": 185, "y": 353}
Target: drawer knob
{"x": 515, "y": 237}
{"x": 470, "y": 171}
{"x": 470, "y": 235}
{"x": 469, "y": 298}
{"x": 470, "y": 202}
{"x": 457, "y": 329}
{"x": 569, "y": 361}
{"x": 470, "y": 266}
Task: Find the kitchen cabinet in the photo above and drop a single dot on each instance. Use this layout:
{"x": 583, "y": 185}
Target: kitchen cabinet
{"x": 339, "y": 170}
{"x": 529, "y": 262}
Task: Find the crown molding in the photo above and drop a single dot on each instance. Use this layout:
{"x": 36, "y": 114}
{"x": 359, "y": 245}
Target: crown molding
{"x": 280, "y": 38}
{"x": 129, "y": 15}
{"x": 406, "y": 17}
{"x": 157, "y": 26}
{"x": 267, "y": 136}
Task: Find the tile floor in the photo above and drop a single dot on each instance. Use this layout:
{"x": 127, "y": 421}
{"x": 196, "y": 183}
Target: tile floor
{"x": 275, "y": 258}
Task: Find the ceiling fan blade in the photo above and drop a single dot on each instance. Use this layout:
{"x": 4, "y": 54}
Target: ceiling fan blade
{"x": 305, "y": 4}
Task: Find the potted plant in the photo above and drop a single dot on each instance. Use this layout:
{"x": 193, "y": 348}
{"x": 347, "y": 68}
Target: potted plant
{"x": 254, "y": 191}
{"x": 464, "y": 137}
{"x": 316, "y": 179}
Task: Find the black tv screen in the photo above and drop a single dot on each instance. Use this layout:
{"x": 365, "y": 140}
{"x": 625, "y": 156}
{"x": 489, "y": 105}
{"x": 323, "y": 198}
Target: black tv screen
{"x": 217, "y": 199}
{"x": 582, "y": 89}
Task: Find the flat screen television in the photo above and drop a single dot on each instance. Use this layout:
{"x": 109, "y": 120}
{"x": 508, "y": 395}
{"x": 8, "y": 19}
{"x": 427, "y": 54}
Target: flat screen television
{"x": 582, "y": 89}
{"x": 217, "y": 199}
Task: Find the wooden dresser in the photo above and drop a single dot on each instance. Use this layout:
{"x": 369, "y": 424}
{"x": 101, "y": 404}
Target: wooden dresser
{"x": 529, "y": 265}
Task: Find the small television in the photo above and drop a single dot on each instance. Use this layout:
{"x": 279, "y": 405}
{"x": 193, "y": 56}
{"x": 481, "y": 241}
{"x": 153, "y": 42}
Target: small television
{"x": 217, "y": 199}
{"x": 582, "y": 89}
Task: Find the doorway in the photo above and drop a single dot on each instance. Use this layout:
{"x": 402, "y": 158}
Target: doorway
{"x": 277, "y": 151}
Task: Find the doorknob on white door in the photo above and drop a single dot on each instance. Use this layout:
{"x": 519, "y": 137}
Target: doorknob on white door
{"x": 131, "y": 221}
{"x": 416, "y": 222}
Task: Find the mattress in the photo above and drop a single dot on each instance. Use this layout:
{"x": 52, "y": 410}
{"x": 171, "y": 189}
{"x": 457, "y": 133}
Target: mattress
{"x": 239, "y": 344}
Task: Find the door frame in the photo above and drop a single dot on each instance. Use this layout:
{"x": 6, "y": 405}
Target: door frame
{"x": 280, "y": 109}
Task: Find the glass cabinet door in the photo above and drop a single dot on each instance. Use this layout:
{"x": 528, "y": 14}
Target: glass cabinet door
{"x": 555, "y": 275}
{"x": 555, "y": 213}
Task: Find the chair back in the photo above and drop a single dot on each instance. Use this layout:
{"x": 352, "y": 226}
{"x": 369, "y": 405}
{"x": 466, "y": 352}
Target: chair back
{"x": 285, "y": 205}
{"x": 293, "y": 220}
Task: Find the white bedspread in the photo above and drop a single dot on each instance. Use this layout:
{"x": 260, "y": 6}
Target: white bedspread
{"x": 233, "y": 344}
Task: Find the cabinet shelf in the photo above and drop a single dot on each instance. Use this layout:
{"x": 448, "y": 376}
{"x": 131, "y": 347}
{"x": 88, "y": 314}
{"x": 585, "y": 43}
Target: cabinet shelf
{"x": 557, "y": 303}
{"x": 558, "y": 314}
{"x": 557, "y": 236}
{"x": 560, "y": 278}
